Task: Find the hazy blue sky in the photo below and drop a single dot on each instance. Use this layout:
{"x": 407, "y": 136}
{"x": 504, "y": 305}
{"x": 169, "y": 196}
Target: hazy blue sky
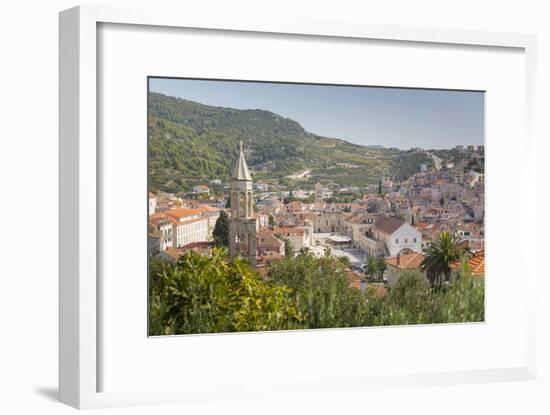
{"x": 391, "y": 117}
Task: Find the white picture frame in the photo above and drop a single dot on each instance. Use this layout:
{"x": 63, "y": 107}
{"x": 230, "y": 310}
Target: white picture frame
{"x": 79, "y": 170}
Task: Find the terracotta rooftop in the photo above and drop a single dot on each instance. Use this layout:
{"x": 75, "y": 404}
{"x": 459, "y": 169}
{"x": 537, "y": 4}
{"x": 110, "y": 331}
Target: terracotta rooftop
{"x": 265, "y": 238}
{"x": 423, "y": 225}
{"x": 288, "y": 231}
{"x": 207, "y": 208}
{"x": 476, "y": 262}
{"x": 157, "y": 216}
{"x": 354, "y": 279}
{"x": 388, "y": 225}
{"x": 182, "y": 212}
{"x": 407, "y": 261}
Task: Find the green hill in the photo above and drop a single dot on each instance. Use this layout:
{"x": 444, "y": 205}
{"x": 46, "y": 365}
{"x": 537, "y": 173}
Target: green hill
{"x": 190, "y": 143}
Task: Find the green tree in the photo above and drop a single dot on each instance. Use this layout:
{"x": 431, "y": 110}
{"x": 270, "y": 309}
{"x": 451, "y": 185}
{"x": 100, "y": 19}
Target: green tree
{"x": 221, "y": 230}
{"x": 200, "y": 294}
{"x": 271, "y": 221}
{"x": 465, "y": 299}
{"x": 410, "y": 301}
{"x": 322, "y": 292}
{"x": 445, "y": 250}
{"x": 289, "y": 249}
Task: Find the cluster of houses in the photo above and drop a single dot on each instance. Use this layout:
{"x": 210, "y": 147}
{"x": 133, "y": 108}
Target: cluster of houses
{"x": 398, "y": 222}
{"x": 176, "y": 225}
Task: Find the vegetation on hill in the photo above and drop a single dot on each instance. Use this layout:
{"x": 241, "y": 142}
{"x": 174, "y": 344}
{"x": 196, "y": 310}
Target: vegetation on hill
{"x": 190, "y": 143}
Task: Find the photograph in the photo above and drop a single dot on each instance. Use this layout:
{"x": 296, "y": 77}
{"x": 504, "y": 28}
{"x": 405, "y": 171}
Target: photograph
{"x": 292, "y": 206}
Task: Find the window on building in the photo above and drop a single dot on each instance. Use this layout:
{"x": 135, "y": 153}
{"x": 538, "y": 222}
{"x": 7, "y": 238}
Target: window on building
{"x": 406, "y": 241}
{"x": 414, "y": 240}
{"x": 396, "y": 240}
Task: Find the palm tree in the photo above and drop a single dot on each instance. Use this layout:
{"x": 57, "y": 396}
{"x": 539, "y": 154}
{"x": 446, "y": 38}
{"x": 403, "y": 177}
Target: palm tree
{"x": 344, "y": 261}
{"x": 372, "y": 268}
{"x": 445, "y": 250}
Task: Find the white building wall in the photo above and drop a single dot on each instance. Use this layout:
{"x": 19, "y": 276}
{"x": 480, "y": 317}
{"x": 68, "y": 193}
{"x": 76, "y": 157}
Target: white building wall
{"x": 166, "y": 241}
{"x": 191, "y": 232}
{"x": 404, "y": 237}
{"x": 297, "y": 241}
{"x": 152, "y": 205}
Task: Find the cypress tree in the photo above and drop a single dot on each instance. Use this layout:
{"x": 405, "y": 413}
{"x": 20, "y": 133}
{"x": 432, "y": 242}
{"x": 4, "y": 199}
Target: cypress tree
{"x": 221, "y": 230}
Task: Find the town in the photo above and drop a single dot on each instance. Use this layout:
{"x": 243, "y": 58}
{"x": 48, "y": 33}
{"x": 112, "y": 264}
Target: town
{"x": 394, "y": 221}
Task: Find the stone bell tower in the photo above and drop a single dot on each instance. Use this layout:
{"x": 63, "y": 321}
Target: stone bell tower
{"x": 242, "y": 227}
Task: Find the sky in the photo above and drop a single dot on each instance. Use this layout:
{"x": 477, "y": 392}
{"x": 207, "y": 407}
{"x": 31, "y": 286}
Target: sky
{"x": 391, "y": 117}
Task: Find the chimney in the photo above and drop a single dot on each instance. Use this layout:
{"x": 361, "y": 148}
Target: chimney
{"x": 398, "y": 258}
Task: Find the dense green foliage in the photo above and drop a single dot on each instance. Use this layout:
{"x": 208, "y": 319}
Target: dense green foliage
{"x": 221, "y": 230}
{"x": 465, "y": 299}
{"x": 199, "y": 294}
{"x": 321, "y": 290}
{"x": 289, "y": 248}
{"x": 190, "y": 143}
{"x": 411, "y": 301}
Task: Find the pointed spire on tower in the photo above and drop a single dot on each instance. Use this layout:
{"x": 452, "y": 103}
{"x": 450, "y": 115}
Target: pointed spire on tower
{"x": 241, "y": 171}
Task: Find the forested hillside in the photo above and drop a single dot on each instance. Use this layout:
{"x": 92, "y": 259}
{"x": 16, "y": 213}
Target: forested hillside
{"x": 190, "y": 142}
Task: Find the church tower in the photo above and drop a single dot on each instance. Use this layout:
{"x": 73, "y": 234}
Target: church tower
{"x": 242, "y": 227}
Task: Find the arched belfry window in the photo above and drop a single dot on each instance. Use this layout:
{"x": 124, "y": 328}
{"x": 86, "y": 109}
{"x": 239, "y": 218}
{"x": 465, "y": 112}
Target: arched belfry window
{"x": 242, "y": 204}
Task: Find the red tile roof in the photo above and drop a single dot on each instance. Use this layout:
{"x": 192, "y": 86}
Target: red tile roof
{"x": 476, "y": 263}
{"x": 288, "y": 231}
{"x": 389, "y": 225}
{"x": 407, "y": 261}
{"x": 179, "y": 213}
{"x": 207, "y": 208}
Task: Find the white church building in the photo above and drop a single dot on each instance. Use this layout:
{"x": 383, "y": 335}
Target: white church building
{"x": 397, "y": 235}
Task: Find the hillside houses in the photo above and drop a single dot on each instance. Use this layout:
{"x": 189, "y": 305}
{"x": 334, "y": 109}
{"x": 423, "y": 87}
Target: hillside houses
{"x": 398, "y": 220}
